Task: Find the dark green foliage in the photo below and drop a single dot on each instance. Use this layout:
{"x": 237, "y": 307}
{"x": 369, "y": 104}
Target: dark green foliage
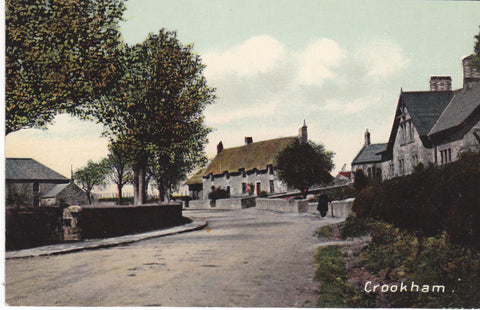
{"x": 325, "y": 231}
{"x": 59, "y": 55}
{"x": 155, "y": 111}
{"x": 355, "y": 227}
{"x": 361, "y": 180}
{"x": 302, "y": 165}
{"x": 335, "y": 291}
{"x": 263, "y": 194}
{"x": 431, "y": 201}
{"x": 218, "y": 193}
{"x": 396, "y": 255}
{"x": 476, "y": 52}
{"x": 93, "y": 174}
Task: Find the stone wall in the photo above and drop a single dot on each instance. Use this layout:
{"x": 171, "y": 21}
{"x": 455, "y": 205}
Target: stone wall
{"x": 282, "y": 205}
{"x": 337, "y": 208}
{"x": 100, "y": 222}
{"x": 228, "y": 203}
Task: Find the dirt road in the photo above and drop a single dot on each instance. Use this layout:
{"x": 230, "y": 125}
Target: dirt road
{"x": 244, "y": 258}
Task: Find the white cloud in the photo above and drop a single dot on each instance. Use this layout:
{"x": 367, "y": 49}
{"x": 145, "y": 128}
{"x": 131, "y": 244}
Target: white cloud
{"x": 318, "y": 61}
{"x": 259, "y": 54}
{"x": 354, "y": 106}
{"x": 382, "y": 58}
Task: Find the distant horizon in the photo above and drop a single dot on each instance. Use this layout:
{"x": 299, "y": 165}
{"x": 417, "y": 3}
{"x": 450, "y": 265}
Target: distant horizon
{"x": 339, "y": 65}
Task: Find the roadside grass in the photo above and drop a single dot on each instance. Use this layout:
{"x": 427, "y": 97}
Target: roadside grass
{"x": 325, "y": 231}
{"x": 335, "y": 291}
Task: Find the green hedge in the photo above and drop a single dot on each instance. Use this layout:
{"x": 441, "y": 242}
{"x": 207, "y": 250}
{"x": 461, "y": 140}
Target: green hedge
{"x": 436, "y": 199}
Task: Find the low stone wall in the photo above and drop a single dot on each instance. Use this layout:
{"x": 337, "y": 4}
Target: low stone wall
{"x": 281, "y": 205}
{"x": 106, "y": 221}
{"x": 227, "y": 204}
{"x": 199, "y": 205}
{"x": 338, "y": 208}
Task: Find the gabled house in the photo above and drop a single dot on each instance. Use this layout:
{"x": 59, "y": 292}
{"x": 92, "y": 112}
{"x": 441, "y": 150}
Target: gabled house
{"x": 251, "y": 165}
{"x": 370, "y": 158}
{"x": 65, "y": 195}
{"x": 458, "y": 128}
{"x": 27, "y": 180}
{"x": 431, "y": 127}
{"x": 409, "y": 144}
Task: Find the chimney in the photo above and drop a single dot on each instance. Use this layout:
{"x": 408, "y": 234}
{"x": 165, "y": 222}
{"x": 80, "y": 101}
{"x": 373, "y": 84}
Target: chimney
{"x": 303, "y": 133}
{"x": 219, "y": 147}
{"x": 248, "y": 140}
{"x": 470, "y": 74}
{"x": 440, "y": 83}
{"x": 367, "y": 138}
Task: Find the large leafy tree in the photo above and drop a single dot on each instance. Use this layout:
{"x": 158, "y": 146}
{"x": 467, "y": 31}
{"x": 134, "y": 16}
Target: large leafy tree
{"x": 303, "y": 164}
{"x": 59, "y": 54}
{"x": 93, "y": 174}
{"x": 156, "y": 109}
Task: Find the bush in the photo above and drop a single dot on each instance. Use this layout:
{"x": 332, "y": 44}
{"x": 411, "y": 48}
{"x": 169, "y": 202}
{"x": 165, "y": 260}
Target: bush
{"x": 430, "y": 200}
{"x": 263, "y": 194}
{"x": 397, "y": 255}
{"x": 218, "y": 193}
{"x": 355, "y": 227}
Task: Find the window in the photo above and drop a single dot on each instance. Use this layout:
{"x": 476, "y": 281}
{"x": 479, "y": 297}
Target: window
{"x": 259, "y": 188}
{"x": 228, "y": 190}
{"x": 272, "y": 186}
{"x": 369, "y": 172}
{"x": 446, "y": 156}
{"x": 401, "y": 166}
{"x": 244, "y": 188}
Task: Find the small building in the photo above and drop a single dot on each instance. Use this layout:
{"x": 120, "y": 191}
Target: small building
{"x": 195, "y": 185}
{"x": 370, "y": 158}
{"x": 27, "y": 180}
{"x": 64, "y": 195}
{"x": 251, "y": 166}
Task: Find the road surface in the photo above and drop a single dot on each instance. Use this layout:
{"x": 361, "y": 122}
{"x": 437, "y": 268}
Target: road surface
{"x": 244, "y": 258}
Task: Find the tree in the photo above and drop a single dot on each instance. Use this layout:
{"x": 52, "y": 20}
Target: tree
{"x": 118, "y": 167}
{"x": 59, "y": 54}
{"x": 156, "y": 109}
{"x": 303, "y": 164}
{"x": 361, "y": 180}
{"x": 93, "y": 174}
{"x": 476, "y": 52}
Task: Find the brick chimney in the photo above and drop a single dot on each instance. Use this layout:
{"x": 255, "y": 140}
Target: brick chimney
{"x": 440, "y": 83}
{"x": 367, "y": 138}
{"x": 248, "y": 140}
{"x": 303, "y": 133}
{"x": 219, "y": 147}
{"x": 470, "y": 73}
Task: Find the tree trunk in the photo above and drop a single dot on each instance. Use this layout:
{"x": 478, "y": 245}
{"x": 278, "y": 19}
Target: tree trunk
{"x": 161, "y": 192}
{"x": 119, "y": 194}
{"x": 141, "y": 185}
{"x": 89, "y": 197}
{"x": 135, "y": 185}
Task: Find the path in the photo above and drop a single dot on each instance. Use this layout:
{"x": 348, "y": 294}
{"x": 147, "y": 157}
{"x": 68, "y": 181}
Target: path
{"x": 244, "y": 258}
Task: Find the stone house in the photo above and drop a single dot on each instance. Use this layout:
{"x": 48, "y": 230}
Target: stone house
{"x": 27, "y": 181}
{"x": 370, "y": 158}
{"x": 251, "y": 165}
{"x": 431, "y": 127}
{"x": 65, "y": 195}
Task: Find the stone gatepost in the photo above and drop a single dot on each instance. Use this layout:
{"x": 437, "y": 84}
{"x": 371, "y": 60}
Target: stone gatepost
{"x": 71, "y": 231}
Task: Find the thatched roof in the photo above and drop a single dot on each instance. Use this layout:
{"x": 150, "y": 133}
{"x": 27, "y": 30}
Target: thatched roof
{"x": 196, "y": 178}
{"x": 256, "y": 155}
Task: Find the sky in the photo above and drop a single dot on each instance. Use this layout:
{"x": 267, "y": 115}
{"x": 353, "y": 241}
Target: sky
{"x": 338, "y": 65}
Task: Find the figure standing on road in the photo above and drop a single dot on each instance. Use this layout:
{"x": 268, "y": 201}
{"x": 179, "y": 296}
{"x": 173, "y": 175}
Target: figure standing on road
{"x": 322, "y": 206}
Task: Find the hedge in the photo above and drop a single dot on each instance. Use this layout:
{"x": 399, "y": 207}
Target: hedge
{"x": 436, "y": 199}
